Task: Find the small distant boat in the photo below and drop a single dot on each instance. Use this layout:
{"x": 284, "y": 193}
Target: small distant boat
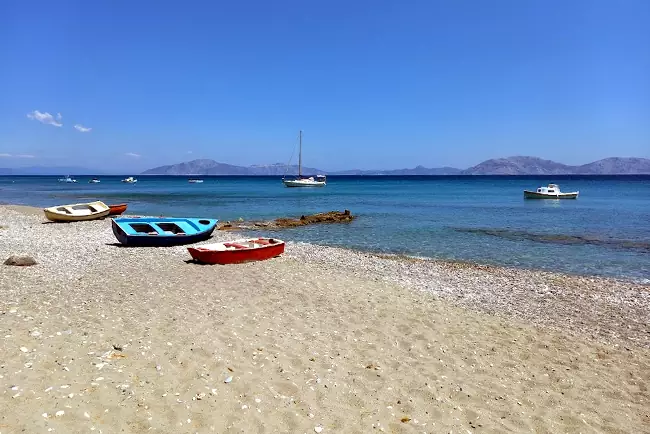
{"x": 94, "y": 181}
{"x": 195, "y": 181}
{"x": 77, "y": 212}
{"x": 67, "y": 179}
{"x": 238, "y": 251}
{"x": 117, "y": 209}
{"x": 161, "y": 231}
{"x": 302, "y": 181}
{"x": 130, "y": 180}
{"x": 552, "y": 191}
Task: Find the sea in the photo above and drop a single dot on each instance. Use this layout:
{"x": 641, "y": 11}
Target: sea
{"x": 482, "y": 219}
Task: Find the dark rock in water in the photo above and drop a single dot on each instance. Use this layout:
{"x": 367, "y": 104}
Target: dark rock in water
{"x": 20, "y": 261}
{"x": 326, "y": 217}
{"x": 284, "y": 222}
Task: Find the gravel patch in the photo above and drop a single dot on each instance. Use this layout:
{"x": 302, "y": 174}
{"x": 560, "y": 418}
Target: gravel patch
{"x": 605, "y": 309}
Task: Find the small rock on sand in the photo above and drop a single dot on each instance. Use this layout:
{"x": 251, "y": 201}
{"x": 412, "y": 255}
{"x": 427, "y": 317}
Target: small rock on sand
{"x": 20, "y": 261}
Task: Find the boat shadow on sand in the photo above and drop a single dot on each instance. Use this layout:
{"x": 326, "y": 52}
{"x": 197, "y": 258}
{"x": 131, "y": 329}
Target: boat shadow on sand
{"x": 195, "y": 262}
{"x": 124, "y": 246}
{"x": 50, "y": 222}
{"x": 559, "y": 239}
{"x": 118, "y": 245}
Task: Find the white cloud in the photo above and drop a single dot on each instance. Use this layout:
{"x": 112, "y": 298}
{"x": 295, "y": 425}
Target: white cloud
{"x": 17, "y": 156}
{"x": 46, "y": 118}
{"x": 82, "y": 129}
{"x": 132, "y": 154}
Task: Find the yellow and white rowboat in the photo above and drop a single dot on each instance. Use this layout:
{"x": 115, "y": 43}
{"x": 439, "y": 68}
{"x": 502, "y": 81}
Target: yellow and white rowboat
{"x": 77, "y": 212}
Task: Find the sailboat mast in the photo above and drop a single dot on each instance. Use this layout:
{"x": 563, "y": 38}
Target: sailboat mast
{"x": 300, "y": 157}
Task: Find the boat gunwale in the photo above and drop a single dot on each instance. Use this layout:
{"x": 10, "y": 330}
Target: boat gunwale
{"x": 160, "y": 239}
{"x": 204, "y": 255}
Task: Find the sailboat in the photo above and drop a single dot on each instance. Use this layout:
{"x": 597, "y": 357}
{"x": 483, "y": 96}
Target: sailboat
{"x": 302, "y": 181}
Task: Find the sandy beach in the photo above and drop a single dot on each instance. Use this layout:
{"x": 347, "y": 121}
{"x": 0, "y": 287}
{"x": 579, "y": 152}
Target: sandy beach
{"x": 100, "y": 338}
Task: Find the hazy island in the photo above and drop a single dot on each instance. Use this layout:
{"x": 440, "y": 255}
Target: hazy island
{"x": 498, "y": 166}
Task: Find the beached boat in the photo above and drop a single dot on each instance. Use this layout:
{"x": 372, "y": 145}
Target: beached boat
{"x": 130, "y": 180}
{"x": 77, "y": 212}
{"x": 67, "y": 179}
{"x": 238, "y": 251}
{"x": 94, "y": 181}
{"x": 117, "y": 209}
{"x": 161, "y": 231}
{"x": 195, "y": 181}
{"x": 552, "y": 191}
{"x": 303, "y": 181}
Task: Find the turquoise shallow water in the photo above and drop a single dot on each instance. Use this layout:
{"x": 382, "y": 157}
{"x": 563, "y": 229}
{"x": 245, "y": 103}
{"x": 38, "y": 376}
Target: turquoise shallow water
{"x": 483, "y": 219}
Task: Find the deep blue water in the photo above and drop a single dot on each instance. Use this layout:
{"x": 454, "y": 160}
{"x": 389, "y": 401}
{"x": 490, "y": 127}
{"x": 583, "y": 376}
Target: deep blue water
{"x": 484, "y": 219}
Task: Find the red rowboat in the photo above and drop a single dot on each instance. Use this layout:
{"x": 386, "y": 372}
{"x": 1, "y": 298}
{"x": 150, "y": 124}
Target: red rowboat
{"x": 238, "y": 251}
{"x": 117, "y": 209}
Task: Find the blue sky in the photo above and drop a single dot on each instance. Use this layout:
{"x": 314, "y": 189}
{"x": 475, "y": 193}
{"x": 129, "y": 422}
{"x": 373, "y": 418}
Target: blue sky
{"x": 373, "y": 84}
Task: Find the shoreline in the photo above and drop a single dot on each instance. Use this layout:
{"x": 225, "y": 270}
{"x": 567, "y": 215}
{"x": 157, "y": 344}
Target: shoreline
{"x": 541, "y": 298}
{"x": 29, "y": 209}
{"x": 521, "y": 293}
{"x": 137, "y": 339}
{"x": 463, "y": 263}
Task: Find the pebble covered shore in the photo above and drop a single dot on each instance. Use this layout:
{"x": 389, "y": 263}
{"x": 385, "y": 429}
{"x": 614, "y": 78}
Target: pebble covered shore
{"x": 101, "y": 338}
{"x": 609, "y": 310}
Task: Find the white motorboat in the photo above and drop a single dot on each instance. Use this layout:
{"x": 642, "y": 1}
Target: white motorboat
{"x": 68, "y": 180}
{"x": 94, "y": 181}
{"x": 304, "y": 181}
{"x": 552, "y": 191}
{"x": 130, "y": 180}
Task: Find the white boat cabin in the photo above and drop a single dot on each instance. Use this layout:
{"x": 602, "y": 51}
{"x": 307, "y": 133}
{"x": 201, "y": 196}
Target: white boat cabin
{"x": 551, "y": 189}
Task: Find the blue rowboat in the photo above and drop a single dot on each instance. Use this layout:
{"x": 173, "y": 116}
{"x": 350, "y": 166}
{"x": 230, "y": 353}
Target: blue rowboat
{"x": 161, "y": 231}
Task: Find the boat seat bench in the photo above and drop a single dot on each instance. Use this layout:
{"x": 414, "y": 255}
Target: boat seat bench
{"x": 236, "y": 246}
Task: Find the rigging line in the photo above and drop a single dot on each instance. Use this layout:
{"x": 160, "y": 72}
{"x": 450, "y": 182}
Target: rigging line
{"x": 286, "y": 168}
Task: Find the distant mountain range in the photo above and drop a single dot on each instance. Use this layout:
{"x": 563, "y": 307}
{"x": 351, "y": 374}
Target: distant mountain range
{"x": 419, "y": 170}
{"x": 211, "y": 167}
{"x": 537, "y": 166}
{"x": 498, "y": 166}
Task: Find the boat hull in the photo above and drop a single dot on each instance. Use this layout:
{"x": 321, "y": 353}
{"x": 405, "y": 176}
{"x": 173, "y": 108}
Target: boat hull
{"x": 294, "y": 183}
{"x": 237, "y": 256}
{"x": 194, "y": 231}
{"x": 58, "y": 213}
{"x": 535, "y": 195}
{"x": 117, "y": 209}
